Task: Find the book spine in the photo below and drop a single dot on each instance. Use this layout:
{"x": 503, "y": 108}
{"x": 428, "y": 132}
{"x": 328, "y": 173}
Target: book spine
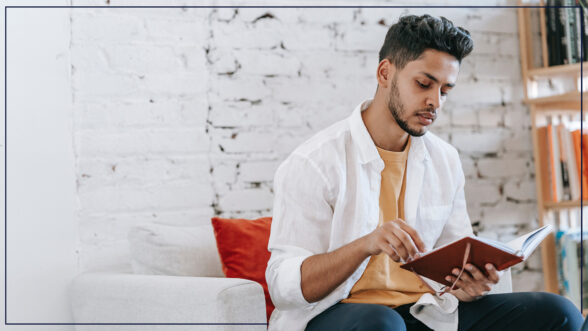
{"x": 544, "y": 163}
{"x": 566, "y": 192}
{"x": 572, "y": 37}
{"x": 570, "y": 159}
{"x": 554, "y": 164}
{"x": 564, "y": 33}
{"x": 577, "y": 34}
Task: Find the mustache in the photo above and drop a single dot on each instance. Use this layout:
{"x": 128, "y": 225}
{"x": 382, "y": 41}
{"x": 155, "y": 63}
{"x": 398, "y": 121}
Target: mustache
{"x": 428, "y": 113}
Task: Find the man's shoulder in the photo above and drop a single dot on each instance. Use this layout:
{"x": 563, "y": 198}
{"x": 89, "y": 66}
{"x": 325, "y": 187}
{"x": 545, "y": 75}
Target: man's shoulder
{"x": 327, "y": 142}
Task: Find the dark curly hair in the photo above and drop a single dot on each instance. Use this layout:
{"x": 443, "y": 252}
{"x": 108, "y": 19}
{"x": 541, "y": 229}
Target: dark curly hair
{"x": 412, "y": 35}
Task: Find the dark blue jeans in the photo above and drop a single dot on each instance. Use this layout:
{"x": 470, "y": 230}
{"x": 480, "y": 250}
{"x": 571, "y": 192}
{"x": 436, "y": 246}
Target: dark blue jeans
{"x": 510, "y": 311}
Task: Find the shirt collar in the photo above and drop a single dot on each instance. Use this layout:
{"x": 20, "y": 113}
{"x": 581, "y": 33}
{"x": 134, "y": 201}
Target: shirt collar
{"x": 365, "y": 145}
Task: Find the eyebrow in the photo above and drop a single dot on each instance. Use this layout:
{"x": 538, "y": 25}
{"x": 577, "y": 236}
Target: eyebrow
{"x": 433, "y": 78}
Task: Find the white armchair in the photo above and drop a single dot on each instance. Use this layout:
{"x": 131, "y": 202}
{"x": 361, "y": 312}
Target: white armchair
{"x": 175, "y": 277}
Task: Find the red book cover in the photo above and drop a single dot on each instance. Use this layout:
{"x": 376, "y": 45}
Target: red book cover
{"x": 577, "y": 138}
{"x": 438, "y": 264}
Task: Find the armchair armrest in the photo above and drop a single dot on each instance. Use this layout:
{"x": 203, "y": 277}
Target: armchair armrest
{"x": 130, "y": 298}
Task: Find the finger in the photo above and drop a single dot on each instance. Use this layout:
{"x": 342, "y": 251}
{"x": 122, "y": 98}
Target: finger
{"x": 460, "y": 284}
{"x": 396, "y": 244}
{"x": 405, "y": 239}
{"x": 493, "y": 275}
{"x": 388, "y": 250}
{"x": 476, "y": 273}
{"x": 470, "y": 285}
{"x": 413, "y": 234}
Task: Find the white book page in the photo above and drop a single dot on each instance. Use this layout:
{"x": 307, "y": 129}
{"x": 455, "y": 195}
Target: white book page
{"x": 526, "y": 244}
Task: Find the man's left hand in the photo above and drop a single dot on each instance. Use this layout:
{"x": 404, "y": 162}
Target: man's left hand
{"x": 473, "y": 283}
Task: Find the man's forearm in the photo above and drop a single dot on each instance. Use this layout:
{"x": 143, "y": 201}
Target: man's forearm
{"x": 322, "y": 273}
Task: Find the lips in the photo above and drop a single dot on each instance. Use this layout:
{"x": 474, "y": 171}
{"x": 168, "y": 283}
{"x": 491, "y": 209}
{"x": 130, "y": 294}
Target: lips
{"x": 426, "y": 118}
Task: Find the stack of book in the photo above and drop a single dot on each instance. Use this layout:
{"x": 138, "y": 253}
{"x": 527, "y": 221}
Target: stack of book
{"x": 565, "y": 32}
{"x": 560, "y": 155}
{"x": 569, "y": 246}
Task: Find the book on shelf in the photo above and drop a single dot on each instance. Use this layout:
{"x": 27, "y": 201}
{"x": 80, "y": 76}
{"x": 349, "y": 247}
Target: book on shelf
{"x": 569, "y": 252}
{"x": 438, "y": 263}
{"x": 560, "y": 157}
{"x": 566, "y": 40}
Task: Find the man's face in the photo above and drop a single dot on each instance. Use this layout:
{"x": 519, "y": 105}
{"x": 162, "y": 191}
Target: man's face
{"x": 419, "y": 90}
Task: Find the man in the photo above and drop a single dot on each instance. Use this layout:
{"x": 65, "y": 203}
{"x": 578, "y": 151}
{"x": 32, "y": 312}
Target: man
{"x": 376, "y": 189}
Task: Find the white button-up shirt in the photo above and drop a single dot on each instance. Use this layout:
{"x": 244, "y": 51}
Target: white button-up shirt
{"x": 327, "y": 195}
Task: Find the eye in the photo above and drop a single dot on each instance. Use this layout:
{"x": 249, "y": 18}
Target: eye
{"x": 443, "y": 93}
{"x": 422, "y": 85}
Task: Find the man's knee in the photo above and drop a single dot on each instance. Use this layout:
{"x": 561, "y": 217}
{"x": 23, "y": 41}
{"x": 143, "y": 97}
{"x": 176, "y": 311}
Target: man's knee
{"x": 378, "y": 317}
{"x": 555, "y": 308}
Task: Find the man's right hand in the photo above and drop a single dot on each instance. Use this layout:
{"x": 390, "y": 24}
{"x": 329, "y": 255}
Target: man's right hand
{"x": 322, "y": 273}
{"x": 395, "y": 238}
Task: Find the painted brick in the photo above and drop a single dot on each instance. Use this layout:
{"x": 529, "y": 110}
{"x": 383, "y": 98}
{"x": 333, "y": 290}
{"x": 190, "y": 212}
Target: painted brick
{"x": 521, "y": 190}
{"x": 464, "y": 116}
{"x": 249, "y": 88}
{"x": 87, "y": 25}
{"x": 269, "y": 63}
{"x": 482, "y": 192}
{"x": 140, "y": 142}
{"x": 242, "y": 114}
{"x": 487, "y": 141}
{"x": 360, "y": 37}
{"x": 509, "y": 213}
{"x": 150, "y": 112}
{"x": 258, "y": 171}
{"x": 247, "y": 142}
{"x": 248, "y": 199}
{"x": 143, "y": 58}
{"x": 166, "y": 196}
{"x": 511, "y": 167}
{"x": 491, "y": 117}
{"x": 469, "y": 167}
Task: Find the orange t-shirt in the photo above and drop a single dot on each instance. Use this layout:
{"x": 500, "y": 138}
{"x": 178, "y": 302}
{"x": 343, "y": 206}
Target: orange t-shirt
{"x": 383, "y": 281}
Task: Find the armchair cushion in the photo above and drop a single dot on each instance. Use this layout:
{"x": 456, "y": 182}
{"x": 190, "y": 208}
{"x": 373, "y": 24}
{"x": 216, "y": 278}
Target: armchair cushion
{"x": 119, "y": 298}
{"x": 176, "y": 251}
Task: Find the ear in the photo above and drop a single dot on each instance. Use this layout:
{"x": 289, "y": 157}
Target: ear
{"x": 385, "y": 73}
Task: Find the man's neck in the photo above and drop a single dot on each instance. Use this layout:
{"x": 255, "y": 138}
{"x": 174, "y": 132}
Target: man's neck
{"x": 382, "y": 127}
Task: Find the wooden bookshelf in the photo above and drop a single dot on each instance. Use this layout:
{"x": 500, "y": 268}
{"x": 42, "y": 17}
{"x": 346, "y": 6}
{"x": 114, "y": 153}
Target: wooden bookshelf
{"x": 563, "y": 205}
{"x": 555, "y": 100}
{"x": 541, "y": 106}
{"x": 565, "y": 69}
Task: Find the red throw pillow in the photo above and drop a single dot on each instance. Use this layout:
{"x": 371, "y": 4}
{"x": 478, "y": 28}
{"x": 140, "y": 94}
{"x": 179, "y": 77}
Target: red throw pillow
{"x": 242, "y": 245}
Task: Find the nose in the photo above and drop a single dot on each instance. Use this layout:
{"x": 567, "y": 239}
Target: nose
{"x": 434, "y": 99}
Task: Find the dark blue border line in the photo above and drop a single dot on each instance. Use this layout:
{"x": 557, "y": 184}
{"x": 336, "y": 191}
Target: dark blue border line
{"x": 270, "y": 7}
{"x": 310, "y": 7}
{"x": 581, "y": 162}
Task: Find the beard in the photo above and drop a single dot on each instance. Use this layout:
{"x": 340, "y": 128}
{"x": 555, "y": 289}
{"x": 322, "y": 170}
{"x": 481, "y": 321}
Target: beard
{"x": 396, "y": 108}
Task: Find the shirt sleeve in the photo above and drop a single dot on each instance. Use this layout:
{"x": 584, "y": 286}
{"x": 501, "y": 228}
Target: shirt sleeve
{"x": 301, "y": 226}
{"x": 458, "y": 224}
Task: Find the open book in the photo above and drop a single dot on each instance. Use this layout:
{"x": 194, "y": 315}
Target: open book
{"x": 438, "y": 263}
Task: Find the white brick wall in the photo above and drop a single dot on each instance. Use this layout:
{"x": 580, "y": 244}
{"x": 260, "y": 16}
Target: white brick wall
{"x": 185, "y": 114}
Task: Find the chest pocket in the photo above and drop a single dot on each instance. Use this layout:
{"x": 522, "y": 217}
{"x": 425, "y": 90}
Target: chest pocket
{"x": 431, "y": 220}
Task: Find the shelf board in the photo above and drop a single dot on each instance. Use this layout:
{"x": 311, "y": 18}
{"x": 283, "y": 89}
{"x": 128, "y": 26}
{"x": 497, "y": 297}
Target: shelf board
{"x": 564, "y": 69}
{"x": 585, "y": 312}
{"x": 564, "y": 204}
{"x": 560, "y": 98}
